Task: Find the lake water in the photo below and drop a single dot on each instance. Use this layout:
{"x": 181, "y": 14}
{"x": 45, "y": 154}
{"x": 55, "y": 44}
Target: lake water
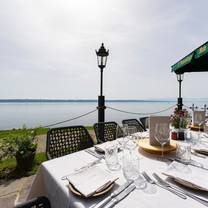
{"x": 33, "y": 114}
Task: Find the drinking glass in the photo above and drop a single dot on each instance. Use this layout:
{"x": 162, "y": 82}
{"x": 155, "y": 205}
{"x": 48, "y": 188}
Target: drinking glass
{"x": 131, "y": 131}
{"x": 121, "y": 136}
{"x": 162, "y": 134}
{"x": 130, "y": 165}
{"x": 183, "y": 152}
{"x": 111, "y": 156}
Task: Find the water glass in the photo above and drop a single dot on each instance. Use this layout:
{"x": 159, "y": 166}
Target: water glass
{"x": 183, "y": 152}
{"x": 121, "y": 136}
{"x": 194, "y": 138}
{"x": 111, "y": 156}
{"x": 130, "y": 165}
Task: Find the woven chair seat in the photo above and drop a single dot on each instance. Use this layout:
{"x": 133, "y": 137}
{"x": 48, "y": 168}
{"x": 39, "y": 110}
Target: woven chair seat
{"x": 134, "y": 122}
{"x": 65, "y": 140}
{"x": 108, "y": 129}
{"x": 145, "y": 122}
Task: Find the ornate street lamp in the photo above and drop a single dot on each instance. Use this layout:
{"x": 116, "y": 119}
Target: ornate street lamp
{"x": 102, "y": 55}
{"x": 180, "y": 99}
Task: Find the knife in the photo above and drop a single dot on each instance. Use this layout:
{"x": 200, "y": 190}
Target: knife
{"x": 114, "y": 194}
{"x": 121, "y": 196}
{"x": 192, "y": 162}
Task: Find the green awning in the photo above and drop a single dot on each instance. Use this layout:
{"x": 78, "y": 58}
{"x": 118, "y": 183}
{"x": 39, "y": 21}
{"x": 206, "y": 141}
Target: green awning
{"x": 196, "y": 61}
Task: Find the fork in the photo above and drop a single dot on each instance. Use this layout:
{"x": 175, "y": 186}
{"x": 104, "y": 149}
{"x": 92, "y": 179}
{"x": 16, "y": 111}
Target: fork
{"x": 165, "y": 183}
{"x": 197, "y": 198}
{"x": 151, "y": 181}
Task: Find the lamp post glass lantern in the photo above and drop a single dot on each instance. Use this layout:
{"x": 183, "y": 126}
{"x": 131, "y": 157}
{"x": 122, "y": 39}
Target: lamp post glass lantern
{"x": 180, "y": 99}
{"x": 102, "y": 55}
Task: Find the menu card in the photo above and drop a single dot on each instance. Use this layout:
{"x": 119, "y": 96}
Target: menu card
{"x": 153, "y": 121}
{"x": 91, "y": 180}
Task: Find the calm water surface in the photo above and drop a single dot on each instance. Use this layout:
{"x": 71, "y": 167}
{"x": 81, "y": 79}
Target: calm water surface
{"x": 14, "y": 115}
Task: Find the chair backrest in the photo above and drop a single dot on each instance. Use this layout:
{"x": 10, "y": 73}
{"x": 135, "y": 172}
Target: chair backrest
{"x": 39, "y": 202}
{"x": 65, "y": 140}
{"x": 145, "y": 122}
{"x": 134, "y": 122}
{"x": 106, "y": 128}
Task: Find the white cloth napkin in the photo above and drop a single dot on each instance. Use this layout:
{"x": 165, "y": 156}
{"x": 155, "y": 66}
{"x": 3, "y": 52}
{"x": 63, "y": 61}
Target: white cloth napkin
{"x": 91, "y": 180}
{"x": 188, "y": 175}
{"x": 201, "y": 148}
{"x": 101, "y": 147}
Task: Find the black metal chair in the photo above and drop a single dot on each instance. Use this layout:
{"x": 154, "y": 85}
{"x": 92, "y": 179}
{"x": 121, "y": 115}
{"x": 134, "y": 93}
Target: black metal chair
{"x": 134, "y": 122}
{"x": 109, "y": 130}
{"x": 145, "y": 122}
{"x": 65, "y": 140}
{"x": 39, "y": 202}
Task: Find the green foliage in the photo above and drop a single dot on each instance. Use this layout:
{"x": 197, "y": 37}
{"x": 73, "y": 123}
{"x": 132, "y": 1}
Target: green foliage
{"x": 24, "y": 142}
{"x": 6, "y": 133}
{"x": 8, "y": 168}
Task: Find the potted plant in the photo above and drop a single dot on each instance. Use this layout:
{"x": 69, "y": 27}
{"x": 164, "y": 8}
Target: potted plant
{"x": 24, "y": 148}
{"x": 179, "y": 121}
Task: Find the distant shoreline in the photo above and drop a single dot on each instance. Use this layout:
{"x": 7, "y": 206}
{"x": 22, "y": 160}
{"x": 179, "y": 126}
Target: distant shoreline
{"x": 95, "y": 101}
{"x": 72, "y": 101}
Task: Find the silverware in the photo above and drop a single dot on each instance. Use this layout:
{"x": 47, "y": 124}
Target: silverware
{"x": 114, "y": 194}
{"x": 162, "y": 186}
{"x": 164, "y": 183}
{"x": 81, "y": 169}
{"x": 120, "y": 196}
{"x": 95, "y": 154}
{"x": 192, "y": 162}
{"x": 198, "y": 154}
{"x": 197, "y": 198}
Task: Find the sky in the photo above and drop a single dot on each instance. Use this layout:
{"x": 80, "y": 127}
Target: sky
{"x": 48, "y": 48}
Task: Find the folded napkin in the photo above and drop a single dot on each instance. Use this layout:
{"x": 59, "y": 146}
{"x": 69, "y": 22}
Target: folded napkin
{"x": 101, "y": 147}
{"x": 201, "y": 147}
{"x": 91, "y": 180}
{"x": 188, "y": 175}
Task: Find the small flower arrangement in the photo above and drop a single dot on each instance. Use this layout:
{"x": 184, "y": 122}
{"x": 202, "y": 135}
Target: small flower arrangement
{"x": 180, "y": 118}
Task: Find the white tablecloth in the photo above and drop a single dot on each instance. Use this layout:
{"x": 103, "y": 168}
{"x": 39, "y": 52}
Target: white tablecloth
{"x": 48, "y": 183}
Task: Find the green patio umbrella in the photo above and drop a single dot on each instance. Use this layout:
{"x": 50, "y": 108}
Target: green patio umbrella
{"x": 196, "y": 61}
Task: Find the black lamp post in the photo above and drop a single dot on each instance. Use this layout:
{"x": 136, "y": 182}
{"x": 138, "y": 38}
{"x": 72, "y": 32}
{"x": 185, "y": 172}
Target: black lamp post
{"x": 102, "y": 55}
{"x": 180, "y": 99}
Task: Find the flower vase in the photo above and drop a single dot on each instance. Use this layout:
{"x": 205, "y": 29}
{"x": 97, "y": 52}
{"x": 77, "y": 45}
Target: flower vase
{"x": 181, "y": 134}
{"x": 174, "y": 134}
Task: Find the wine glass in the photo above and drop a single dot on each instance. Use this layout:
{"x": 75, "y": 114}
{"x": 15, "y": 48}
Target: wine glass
{"x": 132, "y": 130}
{"x": 121, "y": 136}
{"x": 162, "y": 134}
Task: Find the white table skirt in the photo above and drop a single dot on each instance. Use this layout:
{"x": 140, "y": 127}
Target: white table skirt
{"x": 48, "y": 183}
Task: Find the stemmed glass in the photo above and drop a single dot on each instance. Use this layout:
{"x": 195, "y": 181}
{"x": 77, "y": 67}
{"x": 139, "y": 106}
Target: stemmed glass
{"x": 121, "y": 135}
{"x": 162, "y": 134}
{"x": 131, "y": 131}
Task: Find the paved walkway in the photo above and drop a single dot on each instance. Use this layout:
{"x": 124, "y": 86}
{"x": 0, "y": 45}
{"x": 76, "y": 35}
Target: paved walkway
{"x": 15, "y": 191}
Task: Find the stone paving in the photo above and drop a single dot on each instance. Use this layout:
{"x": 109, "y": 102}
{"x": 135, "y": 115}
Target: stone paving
{"x": 15, "y": 191}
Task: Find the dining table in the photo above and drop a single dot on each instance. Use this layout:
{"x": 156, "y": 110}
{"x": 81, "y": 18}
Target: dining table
{"x": 49, "y": 182}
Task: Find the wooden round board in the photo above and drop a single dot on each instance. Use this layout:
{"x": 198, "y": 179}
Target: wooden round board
{"x": 101, "y": 192}
{"x": 145, "y": 145}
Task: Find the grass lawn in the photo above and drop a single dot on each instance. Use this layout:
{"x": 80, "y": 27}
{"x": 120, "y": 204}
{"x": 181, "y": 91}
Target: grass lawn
{"x": 8, "y": 168}
{"x": 40, "y": 131}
